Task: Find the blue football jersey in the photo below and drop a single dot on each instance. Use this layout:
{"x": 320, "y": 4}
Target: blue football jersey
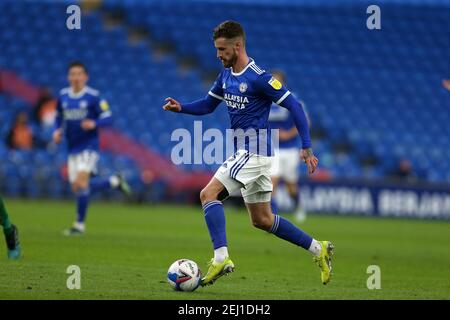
{"x": 72, "y": 109}
{"x": 248, "y": 96}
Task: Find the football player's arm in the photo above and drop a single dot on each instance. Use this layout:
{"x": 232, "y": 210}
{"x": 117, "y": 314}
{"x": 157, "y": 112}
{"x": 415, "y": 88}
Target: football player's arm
{"x": 103, "y": 121}
{"x": 299, "y": 116}
{"x": 278, "y": 93}
{"x": 57, "y": 133}
{"x": 203, "y": 106}
{"x": 104, "y": 114}
{"x": 301, "y": 122}
{"x": 200, "y": 107}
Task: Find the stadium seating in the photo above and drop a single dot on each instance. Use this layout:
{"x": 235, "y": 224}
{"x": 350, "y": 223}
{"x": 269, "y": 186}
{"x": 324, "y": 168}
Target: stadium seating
{"x": 378, "y": 91}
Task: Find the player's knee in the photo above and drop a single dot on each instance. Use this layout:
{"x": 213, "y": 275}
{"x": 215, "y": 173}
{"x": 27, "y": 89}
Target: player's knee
{"x": 263, "y": 223}
{"x": 292, "y": 189}
{"x": 82, "y": 182}
{"x": 207, "y": 195}
{"x": 80, "y": 185}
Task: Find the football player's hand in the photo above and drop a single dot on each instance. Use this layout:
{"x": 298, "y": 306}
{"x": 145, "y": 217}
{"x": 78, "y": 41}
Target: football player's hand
{"x": 172, "y": 105}
{"x": 57, "y": 136}
{"x": 88, "y": 124}
{"x": 310, "y": 159}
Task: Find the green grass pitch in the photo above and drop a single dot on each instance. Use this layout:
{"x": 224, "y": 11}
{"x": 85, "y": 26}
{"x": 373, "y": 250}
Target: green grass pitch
{"x": 128, "y": 249}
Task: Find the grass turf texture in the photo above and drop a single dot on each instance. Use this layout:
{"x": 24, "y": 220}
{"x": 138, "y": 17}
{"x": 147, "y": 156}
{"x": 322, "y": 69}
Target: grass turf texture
{"x": 128, "y": 249}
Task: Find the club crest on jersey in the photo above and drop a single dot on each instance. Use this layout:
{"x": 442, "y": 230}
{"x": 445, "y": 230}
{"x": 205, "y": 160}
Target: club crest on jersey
{"x": 243, "y": 87}
{"x": 275, "y": 83}
{"x": 64, "y": 105}
{"x": 83, "y": 104}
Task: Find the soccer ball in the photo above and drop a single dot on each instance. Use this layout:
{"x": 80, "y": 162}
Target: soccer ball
{"x": 184, "y": 275}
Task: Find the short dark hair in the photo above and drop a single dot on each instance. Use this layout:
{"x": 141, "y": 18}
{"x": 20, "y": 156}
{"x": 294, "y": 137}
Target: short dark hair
{"x": 229, "y": 30}
{"x": 77, "y": 64}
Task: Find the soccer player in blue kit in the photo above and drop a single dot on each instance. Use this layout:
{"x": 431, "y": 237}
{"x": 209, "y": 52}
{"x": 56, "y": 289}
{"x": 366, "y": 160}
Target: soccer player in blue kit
{"x": 248, "y": 91}
{"x": 80, "y": 113}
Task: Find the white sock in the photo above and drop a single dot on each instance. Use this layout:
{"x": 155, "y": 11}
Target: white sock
{"x": 315, "y": 247}
{"x": 80, "y": 226}
{"x": 220, "y": 254}
{"x": 114, "y": 181}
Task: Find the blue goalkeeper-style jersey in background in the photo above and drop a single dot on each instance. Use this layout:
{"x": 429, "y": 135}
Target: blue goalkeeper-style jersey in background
{"x": 281, "y": 118}
{"x": 72, "y": 109}
{"x": 248, "y": 96}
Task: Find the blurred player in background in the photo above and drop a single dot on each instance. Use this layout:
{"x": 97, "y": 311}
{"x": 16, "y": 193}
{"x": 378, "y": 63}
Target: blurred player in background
{"x": 446, "y": 84}
{"x": 248, "y": 92}
{"x": 80, "y": 113}
{"x": 11, "y": 233}
{"x": 287, "y": 158}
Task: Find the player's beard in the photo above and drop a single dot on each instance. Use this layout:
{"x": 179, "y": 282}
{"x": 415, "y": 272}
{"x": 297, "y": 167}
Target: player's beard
{"x": 231, "y": 62}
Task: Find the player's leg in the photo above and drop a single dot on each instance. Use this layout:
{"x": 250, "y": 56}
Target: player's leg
{"x": 115, "y": 181}
{"x": 80, "y": 167}
{"x": 217, "y": 190}
{"x": 215, "y": 218}
{"x": 273, "y": 201}
{"x": 87, "y": 162}
{"x": 262, "y": 218}
{"x": 293, "y": 190}
{"x": 290, "y": 160}
{"x": 275, "y": 176}
{"x": 98, "y": 184}
{"x": 258, "y": 206}
{"x": 257, "y": 196}
{"x": 221, "y": 264}
{"x": 11, "y": 233}
{"x": 4, "y": 218}
{"x": 80, "y": 187}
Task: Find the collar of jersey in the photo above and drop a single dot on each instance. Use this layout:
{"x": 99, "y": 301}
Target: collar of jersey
{"x": 77, "y": 95}
{"x": 251, "y": 61}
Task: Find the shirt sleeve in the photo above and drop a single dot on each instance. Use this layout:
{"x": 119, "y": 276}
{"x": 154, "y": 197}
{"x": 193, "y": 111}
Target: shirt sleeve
{"x": 217, "y": 88}
{"x": 299, "y": 117}
{"x": 103, "y": 112}
{"x": 271, "y": 88}
{"x": 200, "y": 107}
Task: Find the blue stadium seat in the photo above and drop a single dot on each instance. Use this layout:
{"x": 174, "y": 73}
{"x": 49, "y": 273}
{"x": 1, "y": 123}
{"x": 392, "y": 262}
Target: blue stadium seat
{"x": 380, "y": 92}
